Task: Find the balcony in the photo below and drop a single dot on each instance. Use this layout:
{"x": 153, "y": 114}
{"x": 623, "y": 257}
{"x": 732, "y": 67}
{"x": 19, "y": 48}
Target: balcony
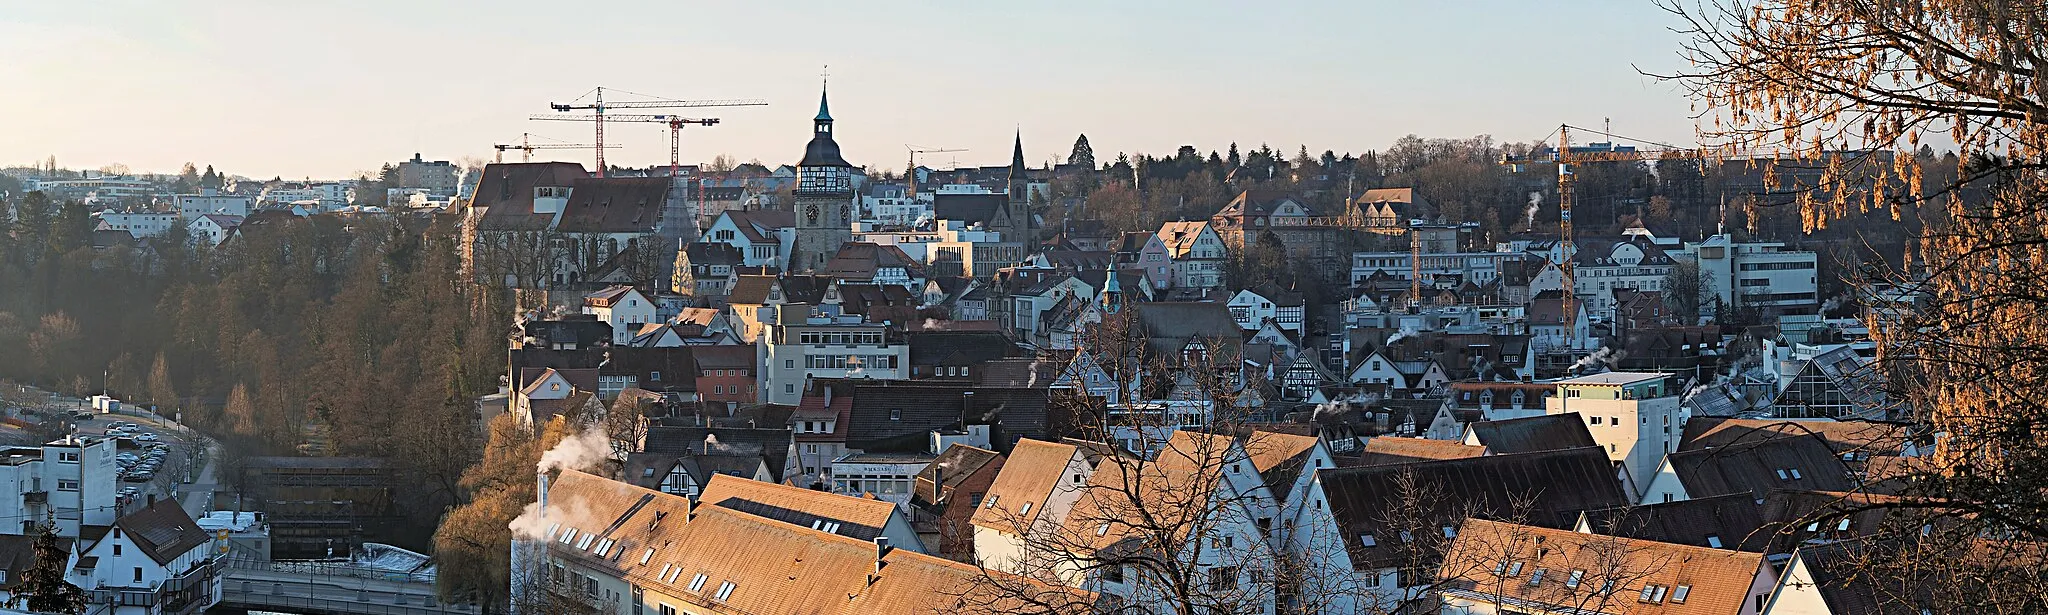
{"x": 190, "y": 592}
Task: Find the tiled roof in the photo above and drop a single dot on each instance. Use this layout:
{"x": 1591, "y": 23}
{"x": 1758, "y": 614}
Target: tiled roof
{"x": 750, "y": 290}
{"x": 507, "y": 190}
{"x": 1170, "y": 326}
{"x": 1389, "y": 450}
{"x": 1279, "y": 458}
{"x": 971, "y": 348}
{"x": 1796, "y": 462}
{"x": 770, "y": 442}
{"x": 780, "y": 568}
{"x": 953, "y": 466}
{"x": 1548, "y": 432}
{"x": 1715, "y": 581}
{"x": 163, "y": 531}
{"x": 1177, "y": 487}
{"x": 1034, "y": 469}
{"x": 18, "y": 552}
{"x": 860, "y": 518}
{"x": 1555, "y": 486}
{"x": 968, "y": 208}
{"x": 1180, "y": 236}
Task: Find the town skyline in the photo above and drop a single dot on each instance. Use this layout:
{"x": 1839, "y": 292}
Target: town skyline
{"x": 173, "y": 75}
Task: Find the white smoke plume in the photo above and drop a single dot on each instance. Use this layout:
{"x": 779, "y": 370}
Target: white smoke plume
{"x": 1833, "y": 303}
{"x": 1405, "y": 333}
{"x": 1535, "y": 202}
{"x": 1337, "y": 407}
{"x": 931, "y": 324}
{"x": 1033, "y": 381}
{"x": 581, "y": 450}
{"x": 710, "y": 442}
{"x": 1601, "y": 360}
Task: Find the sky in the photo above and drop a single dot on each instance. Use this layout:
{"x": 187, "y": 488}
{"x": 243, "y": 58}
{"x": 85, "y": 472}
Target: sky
{"x": 327, "y": 89}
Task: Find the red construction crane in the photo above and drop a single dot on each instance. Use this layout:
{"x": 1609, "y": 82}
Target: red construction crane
{"x": 525, "y": 145}
{"x": 597, "y": 107}
{"x": 675, "y": 130}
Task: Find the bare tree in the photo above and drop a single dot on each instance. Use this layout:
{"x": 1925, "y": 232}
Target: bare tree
{"x": 1860, "y": 85}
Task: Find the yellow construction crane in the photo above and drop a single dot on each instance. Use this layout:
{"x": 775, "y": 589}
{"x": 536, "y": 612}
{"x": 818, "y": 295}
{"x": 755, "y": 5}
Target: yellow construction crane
{"x": 1565, "y": 157}
{"x": 910, "y": 172}
{"x": 527, "y": 146}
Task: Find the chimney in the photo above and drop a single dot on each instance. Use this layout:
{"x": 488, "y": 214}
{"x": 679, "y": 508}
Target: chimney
{"x": 541, "y": 482}
{"x": 882, "y": 550}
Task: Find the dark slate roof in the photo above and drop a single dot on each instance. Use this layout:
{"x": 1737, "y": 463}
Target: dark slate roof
{"x": 822, "y": 151}
{"x": 797, "y": 517}
{"x": 614, "y": 205}
{"x": 967, "y": 208}
{"x": 708, "y": 253}
{"x": 1549, "y": 432}
{"x": 1557, "y": 486}
{"x": 583, "y": 330}
{"x": 969, "y": 348}
{"x": 163, "y": 531}
{"x": 1731, "y": 520}
{"x": 1755, "y": 468}
{"x": 771, "y": 444}
{"x": 1169, "y": 326}
{"x": 1020, "y": 373}
{"x": 919, "y": 408}
{"x": 1846, "y": 584}
{"x": 1844, "y": 437}
{"x": 507, "y": 189}
{"x": 676, "y": 366}
{"x": 953, "y": 466}
{"x": 18, "y": 552}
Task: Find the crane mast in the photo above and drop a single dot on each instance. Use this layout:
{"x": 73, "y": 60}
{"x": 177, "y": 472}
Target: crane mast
{"x": 597, "y": 108}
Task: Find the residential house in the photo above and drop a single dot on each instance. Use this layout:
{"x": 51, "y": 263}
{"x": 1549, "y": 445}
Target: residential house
{"x": 1197, "y": 252}
{"x": 192, "y": 206}
{"x": 856, "y": 517}
{"x": 1716, "y": 522}
{"x": 702, "y": 270}
{"x": 154, "y": 561}
{"x": 1496, "y": 568}
{"x": 1395, "y": 450}
{"x": 212, "y": 229}
{"x": 624, "y": 308}
{"x": 955, "y": 354}
{"x": 949, "y": 490}
{"x": 17, "y": 557}
{"x": 1530, "y": 434}
{"x": 867, "y": 263}
{"x": 553, "y": 225}
{"x": 621, "y": 549}
{"x": 725, "y": 375}
{"x": 1147, "y": 253}
{"x": 70, "y": 482}
{"x": 1252, "y": 307}
{"x": 1358, "y": 559}
{"x": 800, "y": 345}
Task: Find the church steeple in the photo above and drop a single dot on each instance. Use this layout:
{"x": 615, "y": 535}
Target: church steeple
{"x": 823, "y": 123}
{"x": 1017, "y": 156}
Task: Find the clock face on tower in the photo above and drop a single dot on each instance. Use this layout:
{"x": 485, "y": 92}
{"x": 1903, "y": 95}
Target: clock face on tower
{"x": 812, "y": 212}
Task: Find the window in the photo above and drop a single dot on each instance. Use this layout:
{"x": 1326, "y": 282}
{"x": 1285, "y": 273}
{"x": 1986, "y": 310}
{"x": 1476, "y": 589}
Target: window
{"x": 724, "y": 591}
{"x": 1712, "y": 541}
{"x": 1113, "y": 574}
{"x": 1781, "y": 474}
{"x": 117, "y": 550}
{"x": 895, "y": 414}
{"x": 697, "y": 582}
{"x": 1025, "y": 509}
{"x": 1652, "y": 593}
{"x": 646, "y": 556}
{"x": 1572, "y": 582}
{"x": 1795, "y": 473}
{"x": 1103, "y": 530}
{"x": 1220, "y": 578}
{"x": 1536, "y": 578}
{"x": 68, "y": 456}
{"x": 654, "y": 376}
{"x": 992, "y": 500}
{"x": 1515, "y": 569}
{"x": 138, "y": 574}
{"x": 67, "y": 485}
{"x": 1450, "y": 532}
{"x": 1678, "y": 593}
{"x": 1596, "y": 420}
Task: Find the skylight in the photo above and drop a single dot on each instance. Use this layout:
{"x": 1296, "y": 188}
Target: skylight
{"x": 724, "y": 591}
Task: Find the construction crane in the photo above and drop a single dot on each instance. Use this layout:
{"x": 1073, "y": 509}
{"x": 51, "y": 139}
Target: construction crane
{"x": 527, "y": 147}
{"x": 910, "y": 172}
{"x": 598, "y": 106}
{"x": 675, "y": 130}
{"x": 1564, "y": 157}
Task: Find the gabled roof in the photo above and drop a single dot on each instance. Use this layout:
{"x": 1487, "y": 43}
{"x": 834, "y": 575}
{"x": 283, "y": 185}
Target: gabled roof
{"x": 759, "y": 225}
{"x": 1391, "y": 450}
{"x": 952, "y": 467}
{"x": 1844, "y": 437}
{"x": 771, "y": 443}
{"x": 614, "y": 205}
{"x": 751, "y": 289}
{"x": 860, "y": 518}
{"x": 898, "y": 417}
{"x": 1795, "y": 462}
{"x": 1180, "y": 237}
{"x": 775, "y": 567}
{"x": 1279, "y": 458}
{"x": 1718, "y": 522}
{"x": 163, "y": 531}
{"x": 1549, "y": 432}
{"x": 969, "y": 348}
{"x": 1843, "y": 579}
{"x": 1555, "y": 485}
{"x": 967, "y": 208}
{"x": 1170, "y": 326}
{"x": 713, "y": 253}
{"x": 1715, "y": 581}
{"x": 507, "y": 190}
{"x": 18, "y": 552}
{"x": 1034, "y": 469}
{"x": 1177, "y": 487}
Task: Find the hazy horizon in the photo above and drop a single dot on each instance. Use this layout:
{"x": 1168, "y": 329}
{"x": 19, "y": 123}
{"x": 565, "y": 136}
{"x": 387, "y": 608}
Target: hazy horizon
{"x": 260, "y": 90}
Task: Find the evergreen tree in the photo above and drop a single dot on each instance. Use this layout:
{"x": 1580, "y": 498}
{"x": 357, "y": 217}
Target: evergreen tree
{"x": 209, "y": 179}
{"x": 1083, "y": 154}
{"x": 43, "y": 588}
{"x": 1233, "y": 158}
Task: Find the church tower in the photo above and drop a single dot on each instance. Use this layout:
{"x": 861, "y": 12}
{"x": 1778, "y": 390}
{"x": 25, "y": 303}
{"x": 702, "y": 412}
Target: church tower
{"x": 1019, "y": 227}
{"x": 824, "y": 198}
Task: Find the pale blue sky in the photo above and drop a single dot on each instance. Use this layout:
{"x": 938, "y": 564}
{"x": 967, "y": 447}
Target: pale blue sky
{"x": 323, "y": 89}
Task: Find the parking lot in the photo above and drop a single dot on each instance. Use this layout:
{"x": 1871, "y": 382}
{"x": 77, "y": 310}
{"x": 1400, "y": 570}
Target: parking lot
{"x": 154, "y": 455}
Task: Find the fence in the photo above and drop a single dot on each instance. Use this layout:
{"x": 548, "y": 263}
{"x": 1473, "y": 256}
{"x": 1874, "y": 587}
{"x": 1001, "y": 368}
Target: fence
{"x": 331, "y": 568}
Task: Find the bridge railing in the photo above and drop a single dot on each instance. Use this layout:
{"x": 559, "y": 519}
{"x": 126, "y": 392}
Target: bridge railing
{"x": 329, "y": 568}
{"x": 260, "y": 600}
